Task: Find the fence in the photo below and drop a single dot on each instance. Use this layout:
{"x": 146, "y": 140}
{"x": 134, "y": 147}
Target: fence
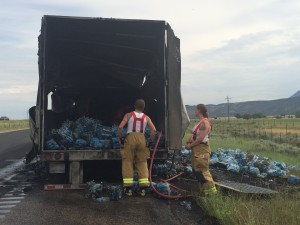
{"x": 277, "y": 131}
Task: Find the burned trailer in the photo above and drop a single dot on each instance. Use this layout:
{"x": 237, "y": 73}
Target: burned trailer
{"x": 91, "y": 67}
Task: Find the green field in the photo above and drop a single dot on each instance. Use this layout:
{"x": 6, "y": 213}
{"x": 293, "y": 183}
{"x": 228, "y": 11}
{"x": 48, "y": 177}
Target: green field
{"x": 222, "y": 137}
{"x": 7, "y": 125}
{"x": 280, "y": 209}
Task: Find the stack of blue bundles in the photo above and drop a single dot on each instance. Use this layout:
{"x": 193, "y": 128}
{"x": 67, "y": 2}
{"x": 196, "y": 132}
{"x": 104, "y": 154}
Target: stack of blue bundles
{"x": 52, "y": 145}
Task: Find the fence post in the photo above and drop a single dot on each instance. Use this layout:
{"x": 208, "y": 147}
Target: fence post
{"x": 286, "y": 133}
{"x": 271, "y": 133}
{"x": 248, "y": 130}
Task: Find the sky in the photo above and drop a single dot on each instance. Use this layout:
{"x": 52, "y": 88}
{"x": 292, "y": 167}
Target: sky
{"x": 246, "y": 50}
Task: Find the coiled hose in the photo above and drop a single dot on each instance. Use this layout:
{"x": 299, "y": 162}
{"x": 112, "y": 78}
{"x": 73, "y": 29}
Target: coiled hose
{"x": 165, "y": 181}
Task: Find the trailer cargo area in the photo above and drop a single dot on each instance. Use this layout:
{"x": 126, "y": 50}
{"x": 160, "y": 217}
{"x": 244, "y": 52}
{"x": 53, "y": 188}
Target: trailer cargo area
{"x": 93, "y": 67}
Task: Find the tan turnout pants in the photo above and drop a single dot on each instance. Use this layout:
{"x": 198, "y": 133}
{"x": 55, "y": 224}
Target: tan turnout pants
{"x": 135, "y": 152}
{"x": 200, "y": 164}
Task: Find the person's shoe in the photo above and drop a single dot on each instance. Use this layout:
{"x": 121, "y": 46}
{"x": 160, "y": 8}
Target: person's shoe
{"x": 142, "y": 192}
{"x": 127, "y": 191}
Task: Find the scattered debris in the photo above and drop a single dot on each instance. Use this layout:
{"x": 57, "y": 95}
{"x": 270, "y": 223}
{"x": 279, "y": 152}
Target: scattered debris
{"x": 103, "y": 192}
{"x": 245, "y": 163}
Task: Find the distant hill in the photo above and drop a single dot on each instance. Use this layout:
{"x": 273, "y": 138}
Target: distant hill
{"x": 286, "y": 106}
{"x": 297, "y": 94}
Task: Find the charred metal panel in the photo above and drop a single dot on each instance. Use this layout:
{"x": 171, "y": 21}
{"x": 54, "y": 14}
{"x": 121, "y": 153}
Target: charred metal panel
{"x": 173, "y": 90}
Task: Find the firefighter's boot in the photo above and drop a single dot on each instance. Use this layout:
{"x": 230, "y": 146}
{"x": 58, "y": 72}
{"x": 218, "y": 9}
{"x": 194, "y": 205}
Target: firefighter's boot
{"x": 142, "y": 192}
{"x": 127, "y": 191}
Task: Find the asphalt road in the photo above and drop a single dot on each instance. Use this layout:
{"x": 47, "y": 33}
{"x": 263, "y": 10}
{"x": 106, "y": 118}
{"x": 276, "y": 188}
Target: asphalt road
{"x": 24, "y": 202}
{"x": 13, "y": 146}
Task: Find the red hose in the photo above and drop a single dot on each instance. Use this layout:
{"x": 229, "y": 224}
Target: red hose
{"x": 150, "y": 175}
{"x": 171, "y": 178}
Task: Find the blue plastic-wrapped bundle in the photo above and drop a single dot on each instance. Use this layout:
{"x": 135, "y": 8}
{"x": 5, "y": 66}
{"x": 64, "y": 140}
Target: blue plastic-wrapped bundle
{"x": 80, "y": 143}
{"x": 115, "y": 192}
{"x": 87, "y": 135}
{"x": 185, "y": 155}
{"x": 77, "y": 132}
{"x": 52, "y": 145}
{"x": 293, "y": 179}
{"x": 98, "y": 130}
{"x": 107, "y": 144}
{"x": 115, "y": 143}
{"x": 213, "y": 159}
{"x": 67, "y": 142}
{"x": 277, "y": 172}
{"x": 93, "y": 190}
{"x": 96, "y": 143}
{"x": 163, "y": 188}
{"x": 281, "y": 165}
{"x": 53, "y": 134}
{"x": 64, "y": 132}
{"x": 244, "y": 169}
{"x": 115, "y": 132}
{"x": 107, "y": 133}
{"x": 233, "y": 167}
{"x": 254, "y": 170}
{"x": 161, "y": 143}
{"x": 188, "y": 170}
{"x": 159, "y": 169}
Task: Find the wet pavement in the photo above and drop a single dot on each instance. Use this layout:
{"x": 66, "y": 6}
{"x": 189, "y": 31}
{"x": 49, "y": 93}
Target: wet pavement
{"x": 71, "y": 207}
{"x": 24, "y": 202}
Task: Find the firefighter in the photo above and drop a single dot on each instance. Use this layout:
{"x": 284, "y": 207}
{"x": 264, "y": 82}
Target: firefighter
{"x": 134, "y": 150}
{"x": 199, "y": 143}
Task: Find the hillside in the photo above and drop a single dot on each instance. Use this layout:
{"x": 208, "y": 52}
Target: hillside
{"x": 297, "y": 94}
{"x": 286, "y": 106}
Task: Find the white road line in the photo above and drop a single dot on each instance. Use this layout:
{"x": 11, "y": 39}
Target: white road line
{"x": 3, "y": 211}
{"x": 12, "y": 198}
{"x": 8, "y": 131}
{"x": 6, "y": 206}
{"x": 8, "y": 195}
{"x": 9, "y": 202}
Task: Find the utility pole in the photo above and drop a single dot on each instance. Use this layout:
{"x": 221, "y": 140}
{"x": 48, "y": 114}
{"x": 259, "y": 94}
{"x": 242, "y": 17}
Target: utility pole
{"x": 228, "y": 106}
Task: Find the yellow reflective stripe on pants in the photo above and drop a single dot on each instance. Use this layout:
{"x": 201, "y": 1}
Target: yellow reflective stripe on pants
{"x": 143, "y": 182}
{"x": 127, "y": 181}
{"x": 210, "y": 191}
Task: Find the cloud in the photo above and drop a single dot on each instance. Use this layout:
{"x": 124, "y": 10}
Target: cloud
{"x": 248, "y": 67}
{"x": 248, "y": 50}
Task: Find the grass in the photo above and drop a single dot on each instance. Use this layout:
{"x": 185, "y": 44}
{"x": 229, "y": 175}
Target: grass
{"x": 279, "y": 209}
{"x": 243, "y": 210}
{"x": 8, "y": 125}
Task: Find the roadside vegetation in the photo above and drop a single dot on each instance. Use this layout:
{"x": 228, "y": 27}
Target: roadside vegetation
{"x": 233, "y": 209}
{"x": 7, "y": 125}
